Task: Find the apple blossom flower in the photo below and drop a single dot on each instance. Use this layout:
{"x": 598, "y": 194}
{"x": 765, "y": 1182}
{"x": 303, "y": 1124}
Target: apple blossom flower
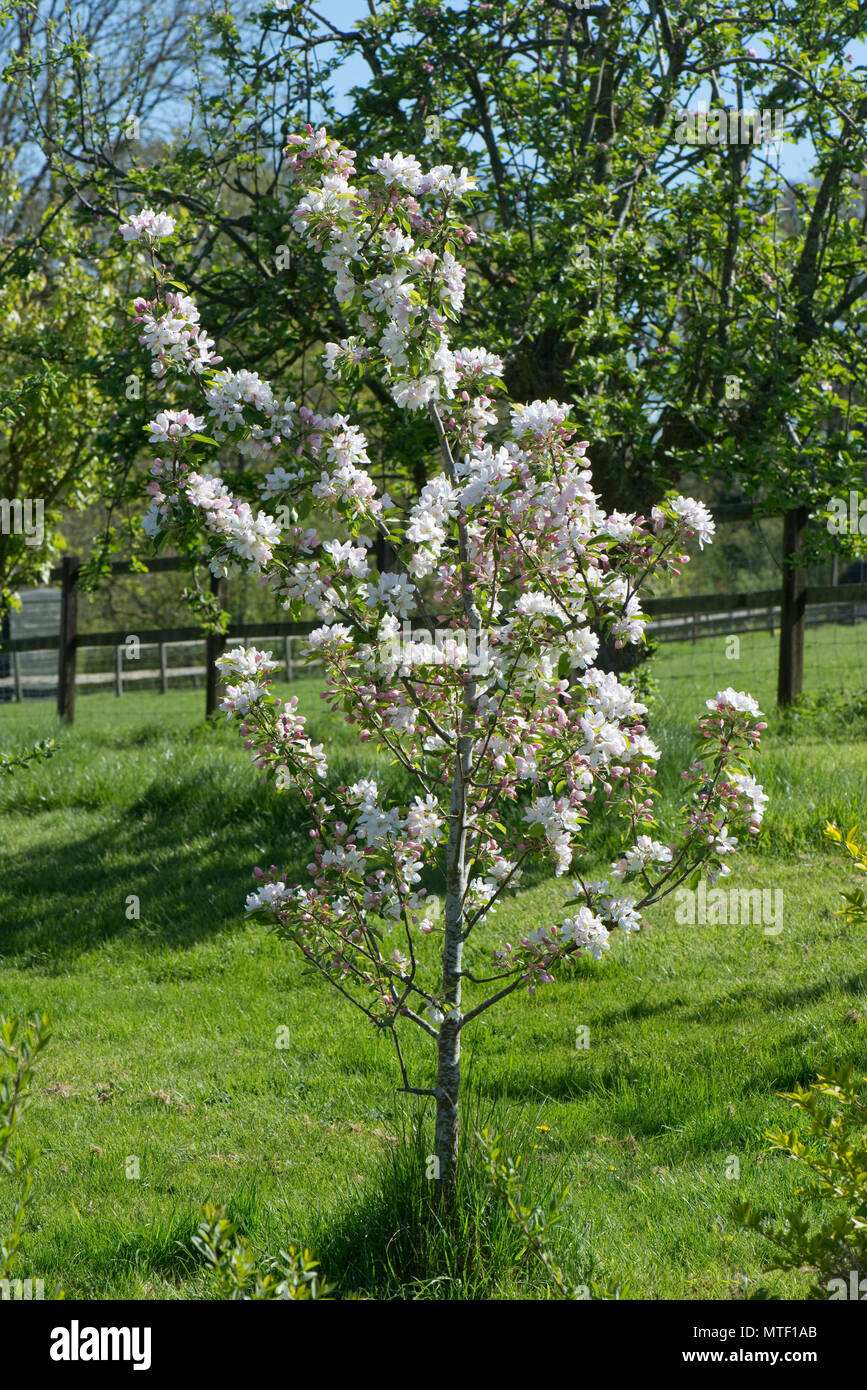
{"x": 174, "y": 424}
{"x": 148, "y": 225}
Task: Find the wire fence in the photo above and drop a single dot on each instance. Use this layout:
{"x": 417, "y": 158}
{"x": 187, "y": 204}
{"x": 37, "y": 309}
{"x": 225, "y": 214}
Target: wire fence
{"x": 741, "y": 649}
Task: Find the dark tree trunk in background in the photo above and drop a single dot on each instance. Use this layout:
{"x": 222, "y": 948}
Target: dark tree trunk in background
{"x": 216, "y": 645}
{"x": 385, "y": 553}
{"x": 66, "y": 665}
{"x": 541, "y": 371}
{"x": 620, "y": 660}
{"x": 791, "y": 670}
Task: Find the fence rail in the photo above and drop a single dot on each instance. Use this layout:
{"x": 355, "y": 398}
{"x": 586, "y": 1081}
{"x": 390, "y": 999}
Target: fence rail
{"x": 155, "y": 636}
{"x": 132, "y": 670}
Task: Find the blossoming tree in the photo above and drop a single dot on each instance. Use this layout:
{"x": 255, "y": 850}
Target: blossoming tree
{"x": 510, "y": 570}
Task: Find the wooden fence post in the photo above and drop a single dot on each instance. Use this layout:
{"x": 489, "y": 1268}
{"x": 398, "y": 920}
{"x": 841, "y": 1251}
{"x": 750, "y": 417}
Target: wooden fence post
{"x": 118, "y": 671}
{"x": 790, "y": 678}
{"x": 164, "y": 671}
{"x": 214, "y": 647}
{"x": 66, "y": 656}
{"x": 16, "y": 673}
{"x": 287, "y": 650}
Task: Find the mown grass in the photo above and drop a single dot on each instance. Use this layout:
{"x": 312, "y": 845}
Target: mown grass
{"x": 166, "y": 1028}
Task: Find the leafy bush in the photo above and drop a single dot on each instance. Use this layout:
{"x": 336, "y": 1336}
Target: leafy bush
{"x": 15, "y": 762}
{"x": 20, "y": 1045}
{"x": 238, "y": 1271}
{"x": 537, "y": 1226}
{"x": 834, "y": 1151}
{"x": 856, "y": 911}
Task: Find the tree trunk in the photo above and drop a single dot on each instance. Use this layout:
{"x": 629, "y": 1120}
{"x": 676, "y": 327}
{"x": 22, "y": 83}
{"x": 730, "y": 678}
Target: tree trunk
{"x": 446, "y": 1133}
{"x": 68, "y": 647}
{"x": 449, "y": 1050}
{"x": 457, "y": 872}
{"x": 792, "y": 612}
{"x": 214, "y": 648}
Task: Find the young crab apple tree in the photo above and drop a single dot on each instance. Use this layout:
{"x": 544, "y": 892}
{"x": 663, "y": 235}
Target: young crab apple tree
{"x": 508, "y": 569}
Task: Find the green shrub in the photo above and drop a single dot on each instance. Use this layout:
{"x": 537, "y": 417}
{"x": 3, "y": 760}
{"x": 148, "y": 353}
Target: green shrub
{"x": 856, "y": 910}
{"x": 15, "y": 762}
{"x": 537, "y": 1226}
{"x": 20, "y": 1045}
{"x": 238, "y": 1271}
{"x": 832, "y": 1147}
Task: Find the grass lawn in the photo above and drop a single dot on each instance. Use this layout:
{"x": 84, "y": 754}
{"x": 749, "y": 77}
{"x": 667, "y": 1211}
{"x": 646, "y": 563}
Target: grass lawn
{"x": 166, "y": 1028}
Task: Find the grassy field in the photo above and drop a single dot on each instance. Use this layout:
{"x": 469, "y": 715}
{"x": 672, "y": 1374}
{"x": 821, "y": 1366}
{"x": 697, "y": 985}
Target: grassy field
{"x": 165, "y": 1029}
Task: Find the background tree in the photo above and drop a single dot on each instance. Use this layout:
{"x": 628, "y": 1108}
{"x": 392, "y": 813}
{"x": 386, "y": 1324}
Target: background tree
{"x": 55, "y": 352}
{"x": 63, "y": 439}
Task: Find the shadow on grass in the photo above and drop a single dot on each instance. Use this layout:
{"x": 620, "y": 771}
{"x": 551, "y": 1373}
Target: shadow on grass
{"x": 186, "y": 850}
{"x": 750, "y": 998}
{"x": 658, "y": 1098}
{"x": 392, "y": 1242}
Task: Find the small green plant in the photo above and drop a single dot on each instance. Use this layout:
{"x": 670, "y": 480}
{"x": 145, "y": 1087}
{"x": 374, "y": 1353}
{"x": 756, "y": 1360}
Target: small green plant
{"x": 21, "y": 1042}
{"x": 832, "y": 1147}
{"x": 856, "y": 910}
{"x": 15, "y": 762}
{"x": 537, "y": 1226}
{"x": 240, "y": 1272}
